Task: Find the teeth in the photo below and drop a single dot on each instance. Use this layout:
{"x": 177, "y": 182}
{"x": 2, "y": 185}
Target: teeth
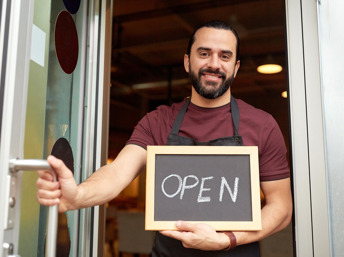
{"x": 211, "y": 76}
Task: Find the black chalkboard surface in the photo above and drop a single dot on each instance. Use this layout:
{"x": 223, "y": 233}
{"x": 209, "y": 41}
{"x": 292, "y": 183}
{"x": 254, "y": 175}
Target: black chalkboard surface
{"x": 218, "y": 185}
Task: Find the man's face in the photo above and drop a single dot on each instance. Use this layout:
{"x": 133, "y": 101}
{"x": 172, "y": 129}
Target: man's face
{"x": 212, "y": 62}
{"x": 210, "y": 89}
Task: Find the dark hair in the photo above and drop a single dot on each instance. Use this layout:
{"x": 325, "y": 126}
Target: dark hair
{"x": 216, "y": 24}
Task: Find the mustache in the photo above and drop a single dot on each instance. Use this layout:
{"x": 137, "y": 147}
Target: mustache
{"x": 219, "y": 73}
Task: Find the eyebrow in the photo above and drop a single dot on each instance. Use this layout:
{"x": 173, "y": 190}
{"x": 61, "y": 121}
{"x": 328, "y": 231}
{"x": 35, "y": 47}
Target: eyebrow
{"x": 209, "y": 49}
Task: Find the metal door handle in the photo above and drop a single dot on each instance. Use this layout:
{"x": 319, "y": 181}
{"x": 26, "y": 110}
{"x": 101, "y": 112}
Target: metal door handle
{"x": 16, "y": 165}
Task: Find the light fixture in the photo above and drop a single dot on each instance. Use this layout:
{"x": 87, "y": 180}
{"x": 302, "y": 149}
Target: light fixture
{"x": 284, "y": 94}
{"x": 269, "y": 66}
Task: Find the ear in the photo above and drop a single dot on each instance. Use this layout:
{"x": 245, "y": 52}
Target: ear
{"x": 186, "y": 63}
{"x": 236, "y": 68}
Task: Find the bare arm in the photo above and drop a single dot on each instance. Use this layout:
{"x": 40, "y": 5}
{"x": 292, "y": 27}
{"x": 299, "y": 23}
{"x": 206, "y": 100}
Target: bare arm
{"x": 102, "y": 186}
{"x": 276, "y": 215}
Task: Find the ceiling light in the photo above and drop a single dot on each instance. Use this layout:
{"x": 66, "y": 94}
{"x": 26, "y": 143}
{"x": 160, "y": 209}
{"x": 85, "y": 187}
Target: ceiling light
{"x": 269, "y": 66}
{"x": 284, "y": 94}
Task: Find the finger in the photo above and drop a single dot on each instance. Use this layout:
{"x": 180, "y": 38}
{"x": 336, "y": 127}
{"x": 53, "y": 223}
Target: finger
{"x": 60, "y": 168}
{"x": 48, "y": 198}
{"x": 46, "y": 194}
{"x": 173, "y": 234}
{"x": 48, "y": 202}
{"x": 44, "y": 174}
{"x": 47, "y": 184}
{"x": 182, "y": 236}
{"x": 185, "y": 226}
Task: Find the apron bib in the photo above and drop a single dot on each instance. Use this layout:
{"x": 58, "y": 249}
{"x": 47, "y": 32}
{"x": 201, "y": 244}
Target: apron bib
{"x": 169, "y": 247}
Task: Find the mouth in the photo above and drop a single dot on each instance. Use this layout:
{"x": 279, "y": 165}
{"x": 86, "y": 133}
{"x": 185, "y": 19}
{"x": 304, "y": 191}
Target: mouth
{"x": 212, "y": 76}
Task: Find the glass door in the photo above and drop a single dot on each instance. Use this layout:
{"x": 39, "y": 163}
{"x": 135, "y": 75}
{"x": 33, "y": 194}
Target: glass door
{"x": 51, "y": 61}
{"x": 54, "y": 114}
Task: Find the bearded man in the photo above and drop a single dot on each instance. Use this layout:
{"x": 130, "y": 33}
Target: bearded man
{"x": 211, "y": 116}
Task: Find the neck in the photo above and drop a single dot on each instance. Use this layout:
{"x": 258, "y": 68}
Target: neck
{"x": 210, "y": 103}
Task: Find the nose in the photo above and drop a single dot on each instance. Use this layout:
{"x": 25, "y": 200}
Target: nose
{"x": 214, "y": 62}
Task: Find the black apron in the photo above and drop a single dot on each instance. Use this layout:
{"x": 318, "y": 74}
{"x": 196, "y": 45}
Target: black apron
{"x": 169, "y": 247}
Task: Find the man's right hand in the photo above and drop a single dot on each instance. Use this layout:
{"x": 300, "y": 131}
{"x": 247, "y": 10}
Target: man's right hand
{"x": 63, "y": 192}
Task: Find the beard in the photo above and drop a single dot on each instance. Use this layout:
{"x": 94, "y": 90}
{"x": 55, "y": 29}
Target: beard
{"x": 210, "y": 92}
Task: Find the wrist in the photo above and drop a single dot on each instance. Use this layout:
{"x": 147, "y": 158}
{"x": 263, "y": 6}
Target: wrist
{"x": 232, "y": 241}
{"x": 77, "y": 199}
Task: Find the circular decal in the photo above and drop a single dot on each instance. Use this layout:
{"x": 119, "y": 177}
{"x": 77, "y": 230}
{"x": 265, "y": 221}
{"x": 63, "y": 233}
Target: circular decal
{"x": 63, "y": 151}
{"x": 72, "y": 5}
{"x": 66, "y": 42}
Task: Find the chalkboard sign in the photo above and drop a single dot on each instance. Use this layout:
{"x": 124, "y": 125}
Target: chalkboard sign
{"x": 218, "y": 185}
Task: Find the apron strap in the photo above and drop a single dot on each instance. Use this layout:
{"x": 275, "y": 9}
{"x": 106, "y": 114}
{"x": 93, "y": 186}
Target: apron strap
{"x": 235, "y": 115}
{"x": 179, "y": 119}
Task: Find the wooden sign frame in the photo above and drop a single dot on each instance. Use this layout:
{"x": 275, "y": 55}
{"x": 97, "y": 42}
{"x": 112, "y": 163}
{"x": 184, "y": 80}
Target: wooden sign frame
{"x": 251, "y": 152}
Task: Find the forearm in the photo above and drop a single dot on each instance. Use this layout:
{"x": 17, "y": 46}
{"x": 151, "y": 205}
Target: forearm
{"x": 274, "y": 219}
{"x": 276, "y": 213}
{"x": 108, "y": 181}
{"x": 101, "y": 187}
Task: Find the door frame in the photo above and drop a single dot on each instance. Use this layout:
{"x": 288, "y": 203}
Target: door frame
{"x": 16, "y": 33}
{"x": 92, "y": 235}
{"x": 311, "y": 220}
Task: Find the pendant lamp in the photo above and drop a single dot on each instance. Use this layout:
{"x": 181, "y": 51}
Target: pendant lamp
{"x": 269, "y": 66}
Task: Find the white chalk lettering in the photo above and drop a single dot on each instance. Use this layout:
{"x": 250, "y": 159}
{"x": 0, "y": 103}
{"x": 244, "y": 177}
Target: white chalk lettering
{"x": 232, "y": 194}
{"x": 179, "y": 185}
{"x": 192, "y": 181}
{"x": 188, "y": 186}
{"x": 202, "y": 199}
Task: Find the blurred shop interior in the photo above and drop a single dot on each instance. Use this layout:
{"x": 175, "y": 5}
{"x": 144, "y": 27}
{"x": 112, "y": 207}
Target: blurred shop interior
{"x": 149, "y": 41}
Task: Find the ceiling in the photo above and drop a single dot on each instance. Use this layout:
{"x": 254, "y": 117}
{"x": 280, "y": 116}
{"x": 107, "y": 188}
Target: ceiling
{"x": 150, "y": 40}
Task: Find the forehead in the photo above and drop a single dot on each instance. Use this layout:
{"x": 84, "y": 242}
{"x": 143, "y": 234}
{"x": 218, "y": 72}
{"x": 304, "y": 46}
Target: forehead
{"x": 216, "y": 39}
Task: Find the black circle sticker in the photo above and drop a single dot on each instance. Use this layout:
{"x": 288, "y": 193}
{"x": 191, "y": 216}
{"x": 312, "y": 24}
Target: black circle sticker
{"x": 72, "y": 5}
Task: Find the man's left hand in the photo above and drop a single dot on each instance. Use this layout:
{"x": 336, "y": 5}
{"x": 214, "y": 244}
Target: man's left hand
{"x": 198, "y": 236}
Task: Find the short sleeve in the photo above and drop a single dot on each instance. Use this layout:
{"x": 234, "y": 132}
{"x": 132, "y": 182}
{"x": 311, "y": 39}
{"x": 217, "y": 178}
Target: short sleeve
{"x": 142, "y": 134}
{"x": 273, "y": 162}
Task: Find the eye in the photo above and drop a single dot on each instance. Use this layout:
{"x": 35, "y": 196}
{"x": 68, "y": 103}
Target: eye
{"x": 203, "y": 54}
{"x": 225, "y": 57}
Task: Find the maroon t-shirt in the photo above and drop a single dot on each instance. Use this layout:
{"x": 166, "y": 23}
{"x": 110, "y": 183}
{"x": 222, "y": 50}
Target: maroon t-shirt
{"x": 256, "y": 127}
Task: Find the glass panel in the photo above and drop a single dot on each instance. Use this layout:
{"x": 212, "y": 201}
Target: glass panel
{"x": 34, "y": 131}
{"x": 54, "y": 109}
{"x": 331, "y": 39}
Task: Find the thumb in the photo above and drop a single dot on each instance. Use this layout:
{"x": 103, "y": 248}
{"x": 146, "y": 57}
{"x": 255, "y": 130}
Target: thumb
{"x": 59, "y": 167}
{"x": 184, "y": 226}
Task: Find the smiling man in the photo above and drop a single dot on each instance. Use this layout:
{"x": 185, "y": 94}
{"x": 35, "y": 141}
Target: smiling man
{"x": 212, "y": 116}
{"x": 213, "y": 63}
